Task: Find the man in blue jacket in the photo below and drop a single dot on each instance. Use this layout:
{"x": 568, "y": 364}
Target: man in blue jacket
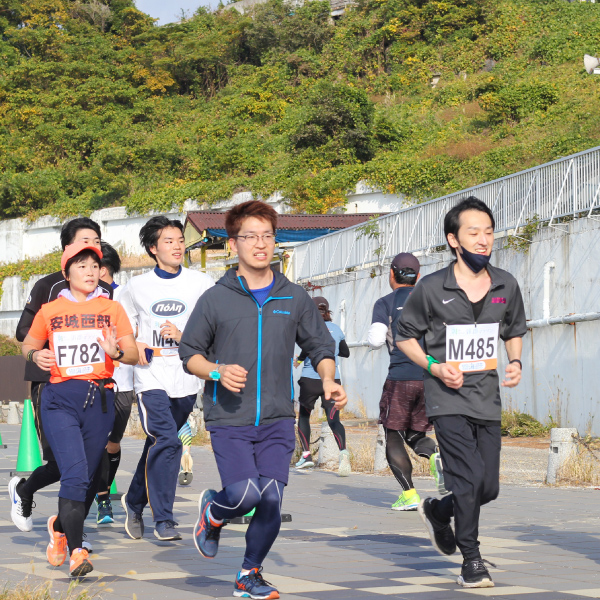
{"x": 240, "y": 338}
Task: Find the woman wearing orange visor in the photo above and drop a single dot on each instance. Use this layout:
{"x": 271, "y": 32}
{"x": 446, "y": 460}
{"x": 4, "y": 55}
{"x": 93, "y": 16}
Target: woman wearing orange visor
{"x": 86, "y": 332}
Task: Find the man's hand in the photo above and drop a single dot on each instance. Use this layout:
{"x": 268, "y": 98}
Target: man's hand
{"x": 448, "y": 374}
{"x": 233, "y": 377}
{"x": 513, "y": 375}
{"x": 334, "y": 391}
{"x": 142, "y": 352}
{"x": 44, "y": 359}
{"x": 170, "y": 332}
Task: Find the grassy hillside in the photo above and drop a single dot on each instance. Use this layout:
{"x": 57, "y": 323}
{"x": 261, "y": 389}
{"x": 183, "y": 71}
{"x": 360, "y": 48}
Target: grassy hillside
{"x": 99, "y": 107}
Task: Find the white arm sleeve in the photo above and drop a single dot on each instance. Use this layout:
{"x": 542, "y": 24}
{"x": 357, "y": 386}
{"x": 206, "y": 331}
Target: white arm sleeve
{"x": 377, "y": 335}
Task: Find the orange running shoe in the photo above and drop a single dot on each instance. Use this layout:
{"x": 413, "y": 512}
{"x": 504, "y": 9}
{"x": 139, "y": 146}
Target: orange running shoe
{"x": 56, "y": 552}
{"x": 80, "y": 564}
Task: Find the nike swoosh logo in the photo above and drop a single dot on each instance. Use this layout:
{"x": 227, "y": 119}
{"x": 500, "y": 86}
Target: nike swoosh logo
{"x": 446, "y": 301}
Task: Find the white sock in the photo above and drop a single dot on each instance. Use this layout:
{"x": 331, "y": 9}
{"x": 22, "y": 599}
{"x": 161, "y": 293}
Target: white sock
{"x": 244, "y": 572}
{"x": 213, "y": 520}
{"x": 306, "y": 454}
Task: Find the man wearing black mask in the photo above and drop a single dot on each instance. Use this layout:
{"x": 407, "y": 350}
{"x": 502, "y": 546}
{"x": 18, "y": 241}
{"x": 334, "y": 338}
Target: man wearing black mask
{"x": 460, "y": 312}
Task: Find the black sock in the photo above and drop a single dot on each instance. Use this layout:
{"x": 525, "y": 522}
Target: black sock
{"x": 72, "y": 516}
{"x": 113, "y": 466}
{"x": 443, "y": 510}
{"x": 42, "y": 477}
{"x": 103, "y": 476}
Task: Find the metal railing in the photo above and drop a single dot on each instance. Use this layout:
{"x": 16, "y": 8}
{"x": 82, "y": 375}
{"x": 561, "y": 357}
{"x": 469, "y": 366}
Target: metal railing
{"x": 568, "y": 187}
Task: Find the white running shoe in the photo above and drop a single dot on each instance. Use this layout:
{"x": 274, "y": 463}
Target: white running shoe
{"x": 20, "y": 509}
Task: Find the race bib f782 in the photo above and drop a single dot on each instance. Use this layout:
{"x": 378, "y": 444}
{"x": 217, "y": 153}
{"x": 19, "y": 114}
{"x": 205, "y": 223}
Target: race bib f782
{"x": 78, "y": 352}
{"x": 471, "y": 348}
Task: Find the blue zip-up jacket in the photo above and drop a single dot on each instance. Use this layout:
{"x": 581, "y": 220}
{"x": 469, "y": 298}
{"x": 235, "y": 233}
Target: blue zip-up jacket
{"x": 229, "y": 327}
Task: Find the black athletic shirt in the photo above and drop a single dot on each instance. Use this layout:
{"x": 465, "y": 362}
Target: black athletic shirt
{"x": 387, "y": 310}
{"x": 45, "y": 290}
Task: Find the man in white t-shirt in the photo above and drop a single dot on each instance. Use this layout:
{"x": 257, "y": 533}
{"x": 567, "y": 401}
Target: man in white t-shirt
{"x": 159, "y": 304}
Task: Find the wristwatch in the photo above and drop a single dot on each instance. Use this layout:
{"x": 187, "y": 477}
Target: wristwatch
{"x": 215, "y": 375}
{"x": 119, "y": 356}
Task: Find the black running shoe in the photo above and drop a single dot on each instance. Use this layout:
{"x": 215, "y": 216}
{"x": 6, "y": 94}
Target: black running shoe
{"x": 441, "y": 534}
{"x": 474, "y": 574}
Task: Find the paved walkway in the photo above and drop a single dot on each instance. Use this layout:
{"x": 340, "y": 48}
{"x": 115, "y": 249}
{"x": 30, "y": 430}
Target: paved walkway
{"x": 343, "y": 543}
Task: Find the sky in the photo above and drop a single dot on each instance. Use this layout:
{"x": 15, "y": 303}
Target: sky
{"x": 169, "y": 11}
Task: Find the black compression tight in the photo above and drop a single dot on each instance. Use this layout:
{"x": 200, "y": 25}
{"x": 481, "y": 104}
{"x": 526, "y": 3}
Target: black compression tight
{"x": 333, "y": 419}
{"x": 397, "y": 456}
{"x": 42, "y": 477}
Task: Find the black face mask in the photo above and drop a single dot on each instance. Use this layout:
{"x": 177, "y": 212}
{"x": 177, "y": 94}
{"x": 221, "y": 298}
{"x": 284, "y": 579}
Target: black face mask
{"x": 475, "y": 262}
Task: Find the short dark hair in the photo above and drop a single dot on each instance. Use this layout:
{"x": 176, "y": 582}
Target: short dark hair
{"x": 404, "y": 276}
{"x": 110, "y": 259}
{"x": 452, "y": 218}
{"x": 70, "y": 228}
{"x": 151, "y": 231}
{"x": 253, "y": 208}
{"x": 80, "y": 257}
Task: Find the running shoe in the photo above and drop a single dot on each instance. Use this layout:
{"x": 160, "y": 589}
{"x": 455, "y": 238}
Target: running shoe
{"x": 305, "y": 462}
{"x": 441, "y": 534}
{"x": 254, "y": 586}
{"x": 165, "y": 531}
{"x": 437, "y": 472}
{"x": 80, "y": 564}
{"x": 105, "y": 513}
{"x": 206, "y": 533}
{"x": 345, "y": 468}
{"x": 134, "y": 523}
{"x": 20, "y": 508}
{"x": 56, "y": 552}
{"x": 474, "y": 574}
{"x": 408, "y": 500}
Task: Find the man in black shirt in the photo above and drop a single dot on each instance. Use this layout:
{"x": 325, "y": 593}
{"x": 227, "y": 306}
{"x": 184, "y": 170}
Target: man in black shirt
{"x": 402, "y": 404}
{"x": 460, "y": 313}
{"x": 45, "y": 290}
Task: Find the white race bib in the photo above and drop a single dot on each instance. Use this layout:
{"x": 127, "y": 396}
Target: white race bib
{"x": 78, "y": 352}
{"x": 472, "y": 348}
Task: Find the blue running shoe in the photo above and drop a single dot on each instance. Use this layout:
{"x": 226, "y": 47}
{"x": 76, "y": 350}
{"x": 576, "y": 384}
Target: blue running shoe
{"x": 105, "y": 513}
{"x": 206, "y": 533}
{"x": 254, "y": 586}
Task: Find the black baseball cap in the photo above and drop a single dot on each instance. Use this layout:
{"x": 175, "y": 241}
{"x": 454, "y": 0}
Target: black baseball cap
{"x": 406, "y": 260}
{"x": 320, "y": 301}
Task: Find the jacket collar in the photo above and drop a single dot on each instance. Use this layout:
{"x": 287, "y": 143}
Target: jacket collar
{"x": 450, "y": 278}
{"x": 231, "y": 280}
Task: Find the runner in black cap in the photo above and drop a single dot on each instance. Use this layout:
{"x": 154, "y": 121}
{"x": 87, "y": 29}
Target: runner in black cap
{"x": 459, "y": 312}
{"x": 402, "y": 405}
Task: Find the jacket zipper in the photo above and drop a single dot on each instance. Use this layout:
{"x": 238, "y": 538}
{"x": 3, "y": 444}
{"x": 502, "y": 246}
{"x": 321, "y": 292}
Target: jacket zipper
{"x": 292, "y": 378}
{"x": 215, "y": 389}
{"x": 259, "y": 361}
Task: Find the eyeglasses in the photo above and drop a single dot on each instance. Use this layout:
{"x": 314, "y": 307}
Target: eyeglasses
{"x": 252, "y": 238}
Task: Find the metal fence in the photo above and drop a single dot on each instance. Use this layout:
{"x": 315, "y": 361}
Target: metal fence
{"x": 565, "y": 188}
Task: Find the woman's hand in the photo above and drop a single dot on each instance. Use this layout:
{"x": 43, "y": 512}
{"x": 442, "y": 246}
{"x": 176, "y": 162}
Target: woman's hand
{"x": 109, "y": 342}
{"x": 44, "y": 359}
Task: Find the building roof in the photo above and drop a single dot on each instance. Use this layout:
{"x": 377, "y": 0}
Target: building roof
{"x": 206, "y": 219}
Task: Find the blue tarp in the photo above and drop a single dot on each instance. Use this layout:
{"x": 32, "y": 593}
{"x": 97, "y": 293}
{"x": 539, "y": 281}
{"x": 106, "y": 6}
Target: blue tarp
{"x": 284, "y": 235}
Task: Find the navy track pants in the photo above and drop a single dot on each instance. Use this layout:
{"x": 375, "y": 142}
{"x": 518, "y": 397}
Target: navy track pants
{"x": 155, "y": 479}
{"x": 77, "y": 435}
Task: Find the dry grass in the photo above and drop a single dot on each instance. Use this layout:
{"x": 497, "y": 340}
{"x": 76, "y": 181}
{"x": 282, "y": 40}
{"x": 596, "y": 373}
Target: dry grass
{"x": 202, "y": 438}
{"x": 584, "y": 466}
{"x": 44, "y": 592}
